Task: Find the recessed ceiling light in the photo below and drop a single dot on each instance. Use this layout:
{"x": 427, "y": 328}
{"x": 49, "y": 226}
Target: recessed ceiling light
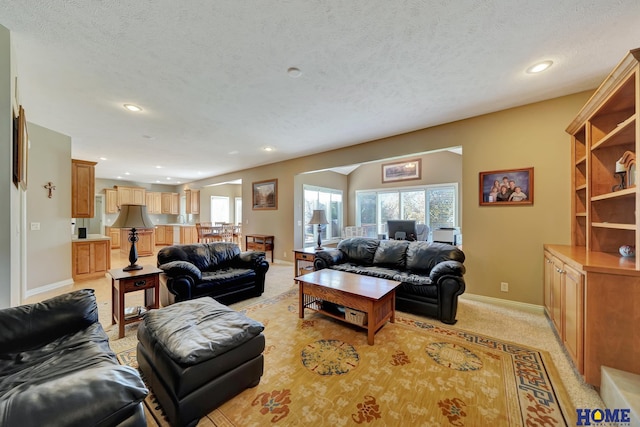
{"x": 158, "y": 167}
{"x": 132, "y": 107}
{"x": 168, "y": 177}
{"x": 268, "y": 148}
{"x": 179, "y": 182}
{"x": 103, "y": 158}
{"x": 294, "y": 72}
{"x": 127, "y": 173}
{"x": 539, "y": 67}
{"x": 234, "y": 152}
{"x": 119, "y": 177}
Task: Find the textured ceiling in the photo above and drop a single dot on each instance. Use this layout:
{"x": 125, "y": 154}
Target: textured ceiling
{"x": 211, "y": 76}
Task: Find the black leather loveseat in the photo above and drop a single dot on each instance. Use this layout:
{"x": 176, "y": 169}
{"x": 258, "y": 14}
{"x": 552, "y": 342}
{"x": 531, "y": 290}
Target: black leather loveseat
{"x": 219, "y": 270}
{"x": 431, "y": 273}
{"x": 56, "y": 368}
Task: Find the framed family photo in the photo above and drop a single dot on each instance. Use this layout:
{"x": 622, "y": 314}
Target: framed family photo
{"x": 402, "y": 171}
{"x": 265, "y": 194}
{"x": 508, "y": 187}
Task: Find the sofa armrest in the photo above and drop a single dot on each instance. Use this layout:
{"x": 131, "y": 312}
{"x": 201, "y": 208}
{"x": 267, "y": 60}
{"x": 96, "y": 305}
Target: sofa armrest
{"x": 176, "y": 269}
{"x": 33, "y": 325}
{"x": 446, "y": 268}
{"x": 328, "y": 258}
{"x": 255, "y": 260}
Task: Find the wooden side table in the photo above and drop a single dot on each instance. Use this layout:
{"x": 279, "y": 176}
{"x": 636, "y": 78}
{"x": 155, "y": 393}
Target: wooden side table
{"x": 123, "y": 282}
{"x": 259, "y": 242}
{"x": 306, "y": 255}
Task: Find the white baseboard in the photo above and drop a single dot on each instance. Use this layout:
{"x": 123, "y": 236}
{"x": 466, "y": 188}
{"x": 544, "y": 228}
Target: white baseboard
{"x": 532, "y": 308}
{"x": 47, "y": 288}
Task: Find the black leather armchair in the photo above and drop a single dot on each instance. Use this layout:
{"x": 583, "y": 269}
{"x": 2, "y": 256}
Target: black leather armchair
{"x": 56, "y": 368}
{"x": 219, "y": 270}
{"x": 431, "y": 273}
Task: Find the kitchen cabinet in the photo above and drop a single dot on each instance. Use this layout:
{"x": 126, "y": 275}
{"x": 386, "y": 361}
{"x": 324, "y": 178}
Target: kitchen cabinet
{"x": 164, "y": 235}
{"x": 145, "y": 244}
{"x": 131, "y": 195}
{"x": 188, "y": 234}
{"x": 83, "y": 188}
{"x": 170, "y": 203}
{"x": 111, "y": 197}
{"x": 90, "y": 258}
{"x": 154, "y": 202}
{"x": 192, "y": 201}
{"x": 114, "y": 234}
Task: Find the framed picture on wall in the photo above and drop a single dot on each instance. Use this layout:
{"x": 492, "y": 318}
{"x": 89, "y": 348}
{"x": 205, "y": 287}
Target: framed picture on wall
{"x": 20, "y": 149}
{"x": 508, "y": 187}
{"x": 265, "y": 194}
{"x": 402, "y": 171}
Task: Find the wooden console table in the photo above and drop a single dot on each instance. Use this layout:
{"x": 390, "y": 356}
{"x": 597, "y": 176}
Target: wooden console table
{"x": 259, "y": 242}
{"x": 122, "y": 282}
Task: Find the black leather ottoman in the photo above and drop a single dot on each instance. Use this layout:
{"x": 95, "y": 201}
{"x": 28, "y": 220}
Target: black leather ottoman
{"x": 197, "y": 354}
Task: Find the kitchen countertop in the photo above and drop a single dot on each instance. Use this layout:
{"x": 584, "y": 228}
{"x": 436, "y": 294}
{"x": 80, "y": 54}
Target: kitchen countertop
{"x": 91, "y": 238}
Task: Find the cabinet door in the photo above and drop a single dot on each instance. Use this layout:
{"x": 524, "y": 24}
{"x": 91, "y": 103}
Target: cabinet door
{"x": 82, "y": 189}
{"x": 168, "y": 235}
{"x": 114, "y": 233}
{"x": 175, "y": 203}
{"x": 124, "y": 196}
{"x": 160, "y": 235}
{"x": 138, "y": 196}
{"x": 556, "y": 295}
{"x": 166, "y": 203}
{"x": 157, "y": 203}
{"x": 81, "y": 259}
{"x": 548, "y": 283}
{"x": 112, "y": 201}
{"x": 572, "y": 310}
{"x": 101, "y": 256}
{"x": 148, "y": 201}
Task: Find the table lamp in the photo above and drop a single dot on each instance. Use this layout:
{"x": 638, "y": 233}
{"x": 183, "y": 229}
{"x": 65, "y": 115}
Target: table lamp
{"x": 133, "y": 217}
{"x": 319, "y": 217}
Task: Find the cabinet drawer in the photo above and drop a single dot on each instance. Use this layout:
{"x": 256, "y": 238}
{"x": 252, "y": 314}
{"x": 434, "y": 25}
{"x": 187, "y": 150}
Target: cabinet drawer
{"x": 306, "y": 257}
{"x": 138, "y": 283}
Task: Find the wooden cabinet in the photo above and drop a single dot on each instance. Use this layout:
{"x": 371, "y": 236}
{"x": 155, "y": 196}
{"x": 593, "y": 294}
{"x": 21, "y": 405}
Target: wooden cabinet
{"x": 145, "y": 244}
{"x": 164, "y": 235}
{"x": 192, "y": 201}
{"x": 188, "y": 235}
{"x": 564, "y": 294}
{"x": 170, "y": 203}
{"x": 114, "y": 234}
{"x": 154, "y": 202}
{"x": 131, "y": 195}
{"x": 90, "y": 259}
{"x": 111, "y": 197}
{"x": 599, "y": 289}
{"x": 83, "y": 188}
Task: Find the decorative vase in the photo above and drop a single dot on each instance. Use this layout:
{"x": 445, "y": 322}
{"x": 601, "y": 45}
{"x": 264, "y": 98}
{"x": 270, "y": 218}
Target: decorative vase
{"x": 627, "y": 251}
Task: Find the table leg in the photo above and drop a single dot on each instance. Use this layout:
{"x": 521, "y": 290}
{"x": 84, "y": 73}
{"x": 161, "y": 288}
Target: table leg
{"x": 371, "y": 331}
{"x": 120, "y": 312}
{"x": 393, "y": 307}
{"x": 114, "y": 302}
{"x": 301, "y": 299}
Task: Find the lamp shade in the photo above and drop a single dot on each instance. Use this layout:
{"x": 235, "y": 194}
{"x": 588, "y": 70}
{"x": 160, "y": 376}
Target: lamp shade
{"x": 318, "y": 217}
{"x": 133, "y": 216}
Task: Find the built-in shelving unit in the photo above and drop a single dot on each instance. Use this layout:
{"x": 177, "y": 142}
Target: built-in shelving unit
{"x": 591, "y": 292}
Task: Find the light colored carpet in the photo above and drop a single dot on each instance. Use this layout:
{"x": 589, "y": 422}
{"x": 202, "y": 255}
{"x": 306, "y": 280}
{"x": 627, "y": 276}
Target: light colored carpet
{"x": 319, "y": 371}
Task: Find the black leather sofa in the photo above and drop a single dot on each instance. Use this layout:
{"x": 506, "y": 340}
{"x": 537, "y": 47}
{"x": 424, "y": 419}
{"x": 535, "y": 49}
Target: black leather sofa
{"x": 431, "y": 273}
{"x": 57, "y": 369}
{"x": 219, "y": 270}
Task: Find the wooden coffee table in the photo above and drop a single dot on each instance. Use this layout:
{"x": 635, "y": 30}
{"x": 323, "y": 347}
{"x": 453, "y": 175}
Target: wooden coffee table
{"x": 372, "y": 295}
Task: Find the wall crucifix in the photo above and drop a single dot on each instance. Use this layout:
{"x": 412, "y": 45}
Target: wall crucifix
{"x": 50, "y": 187}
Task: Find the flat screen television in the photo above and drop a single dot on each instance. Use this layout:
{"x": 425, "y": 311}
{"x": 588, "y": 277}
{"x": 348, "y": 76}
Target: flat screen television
{"x": 402, "y": 229}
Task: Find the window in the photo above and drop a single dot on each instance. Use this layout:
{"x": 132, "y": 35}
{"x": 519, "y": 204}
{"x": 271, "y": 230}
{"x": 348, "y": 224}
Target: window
{"x": 435, "y": 205}
{"x": 219, "y": 209}
{"x": 331, "y": 201}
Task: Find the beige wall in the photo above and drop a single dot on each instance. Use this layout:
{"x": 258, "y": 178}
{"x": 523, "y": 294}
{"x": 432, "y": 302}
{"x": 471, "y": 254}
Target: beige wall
{"x": 48, "y": 249}
{"x": 501, "y": 243}
{"x": 225, "y": 190}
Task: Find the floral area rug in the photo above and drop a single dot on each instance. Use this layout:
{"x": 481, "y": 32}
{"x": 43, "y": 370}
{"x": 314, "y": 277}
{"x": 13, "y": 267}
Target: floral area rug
{"x": 321, "y": 372}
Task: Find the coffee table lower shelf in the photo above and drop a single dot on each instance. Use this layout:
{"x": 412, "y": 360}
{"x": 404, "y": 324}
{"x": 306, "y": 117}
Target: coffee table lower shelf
{"x": 376, "y": 312}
